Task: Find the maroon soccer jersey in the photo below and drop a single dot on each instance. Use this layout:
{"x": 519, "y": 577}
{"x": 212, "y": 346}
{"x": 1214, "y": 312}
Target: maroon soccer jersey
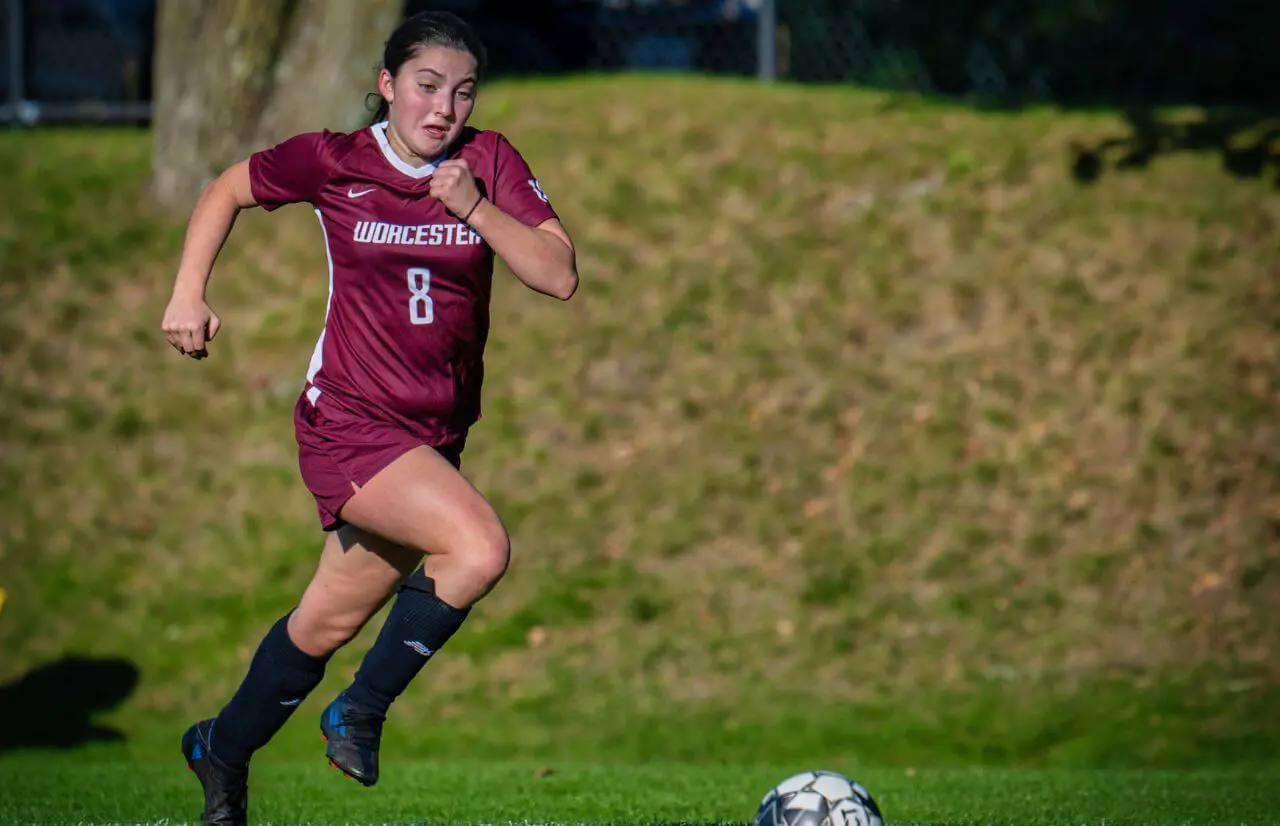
{"x": 409, "y": 284}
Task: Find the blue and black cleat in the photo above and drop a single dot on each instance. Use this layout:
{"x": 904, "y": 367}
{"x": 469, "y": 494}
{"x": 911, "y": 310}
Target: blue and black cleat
{"x": 226, "y": 788}
{"x": 353, "y": 735}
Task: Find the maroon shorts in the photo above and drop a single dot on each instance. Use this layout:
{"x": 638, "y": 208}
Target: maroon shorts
{"x": 337, "y": 448}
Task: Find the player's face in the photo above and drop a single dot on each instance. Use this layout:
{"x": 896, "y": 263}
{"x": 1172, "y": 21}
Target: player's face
{"x": 431, "y": 98}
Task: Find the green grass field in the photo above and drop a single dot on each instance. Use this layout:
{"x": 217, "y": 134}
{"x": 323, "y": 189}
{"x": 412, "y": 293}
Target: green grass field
{"x": 873, "y": 440}
{"x": 419, "y": 791}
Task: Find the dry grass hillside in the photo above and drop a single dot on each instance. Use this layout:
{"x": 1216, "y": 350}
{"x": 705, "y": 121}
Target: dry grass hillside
{"x": 868, "y": 403}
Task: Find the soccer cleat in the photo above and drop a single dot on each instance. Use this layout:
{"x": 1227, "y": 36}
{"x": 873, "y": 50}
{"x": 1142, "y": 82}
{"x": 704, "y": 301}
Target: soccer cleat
{"x": 226, "y": 788}
{"x": 353, "y": 735}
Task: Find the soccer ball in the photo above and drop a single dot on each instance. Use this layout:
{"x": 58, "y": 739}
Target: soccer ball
{"x": 818, "y": 798}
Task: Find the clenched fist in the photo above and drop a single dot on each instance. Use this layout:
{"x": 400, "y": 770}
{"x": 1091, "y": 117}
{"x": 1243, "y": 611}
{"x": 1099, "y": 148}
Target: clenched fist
{"x": 189, "y": 325}
{"x": 453, "y": 185}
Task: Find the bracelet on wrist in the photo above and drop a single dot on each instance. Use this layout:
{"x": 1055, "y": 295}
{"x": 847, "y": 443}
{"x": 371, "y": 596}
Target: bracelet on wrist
{"x": 473, "y": 209}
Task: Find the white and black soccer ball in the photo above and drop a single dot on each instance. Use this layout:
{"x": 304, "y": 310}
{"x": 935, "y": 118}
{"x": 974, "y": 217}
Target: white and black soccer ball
{"x": 818, "y": 798}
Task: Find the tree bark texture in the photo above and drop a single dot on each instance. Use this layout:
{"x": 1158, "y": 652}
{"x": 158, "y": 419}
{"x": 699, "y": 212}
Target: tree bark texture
{"x": 234, "y": 76}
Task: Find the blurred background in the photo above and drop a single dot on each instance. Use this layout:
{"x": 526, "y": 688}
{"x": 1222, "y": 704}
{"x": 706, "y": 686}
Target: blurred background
{"x": 92, "y": 59}
{"x": 921, "y": 402}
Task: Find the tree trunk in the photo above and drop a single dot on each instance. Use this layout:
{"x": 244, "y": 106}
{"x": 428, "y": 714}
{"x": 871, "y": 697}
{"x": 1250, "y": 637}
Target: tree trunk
{"x": 234, "y": 76}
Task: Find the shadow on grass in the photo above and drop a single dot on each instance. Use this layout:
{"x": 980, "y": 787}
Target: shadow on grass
{"x": 53, "y": 706}
{"x": 1248, "y": 142}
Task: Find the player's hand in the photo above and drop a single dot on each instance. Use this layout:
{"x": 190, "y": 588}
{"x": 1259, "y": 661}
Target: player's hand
{"x": 454, "y": 186}
{"x": 189, "y": 325}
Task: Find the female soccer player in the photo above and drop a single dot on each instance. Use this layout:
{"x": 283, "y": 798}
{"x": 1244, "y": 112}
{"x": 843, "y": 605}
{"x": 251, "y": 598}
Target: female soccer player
{"x": 413, "y": 210}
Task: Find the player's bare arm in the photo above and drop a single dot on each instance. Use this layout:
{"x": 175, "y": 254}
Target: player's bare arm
{"x": 188, "y": 322}
{"x": 542, "y": 257}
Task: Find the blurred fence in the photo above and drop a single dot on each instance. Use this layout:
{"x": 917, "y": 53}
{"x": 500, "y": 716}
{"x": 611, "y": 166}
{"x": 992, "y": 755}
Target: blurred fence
{"x": 91, "y": 59}
{"x": 76, "y": 60}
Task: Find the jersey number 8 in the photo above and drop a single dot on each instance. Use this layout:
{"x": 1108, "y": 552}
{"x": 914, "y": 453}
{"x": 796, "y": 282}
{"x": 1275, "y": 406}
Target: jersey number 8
{"x": 421, "y": 308}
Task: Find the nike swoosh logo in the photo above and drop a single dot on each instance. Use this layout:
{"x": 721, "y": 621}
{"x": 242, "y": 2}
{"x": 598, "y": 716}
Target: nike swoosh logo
{"x": 351, "y": 193}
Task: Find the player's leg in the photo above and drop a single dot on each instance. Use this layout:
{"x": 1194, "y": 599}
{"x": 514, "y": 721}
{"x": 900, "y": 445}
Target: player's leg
{"x": 420, "y": 501}
{"x": 356, "y": 574}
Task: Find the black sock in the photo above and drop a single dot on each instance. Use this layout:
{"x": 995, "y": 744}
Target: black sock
{"x": 418, "y": 624}
{"x": 280, "y": 677}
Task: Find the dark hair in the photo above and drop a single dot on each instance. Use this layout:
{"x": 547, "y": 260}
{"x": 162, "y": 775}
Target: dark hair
{"x": 427, "y": 28}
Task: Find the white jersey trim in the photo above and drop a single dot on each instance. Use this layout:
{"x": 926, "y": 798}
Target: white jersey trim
{"x": 380, "y": 134}
{"x": 317, "y": 355}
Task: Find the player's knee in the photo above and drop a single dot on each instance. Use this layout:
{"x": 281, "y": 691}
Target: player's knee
{"x": 322, "y": 634}
{"x": 483, "y": 555}
{"x": 333, "y": 636}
